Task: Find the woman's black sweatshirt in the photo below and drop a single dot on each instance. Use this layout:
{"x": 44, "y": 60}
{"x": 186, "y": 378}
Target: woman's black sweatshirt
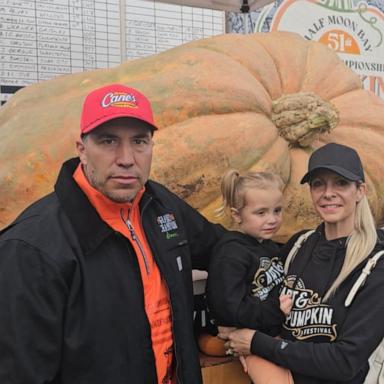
{"x": 327, "y": 342}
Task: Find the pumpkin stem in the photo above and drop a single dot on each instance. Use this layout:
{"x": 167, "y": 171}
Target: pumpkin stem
{"x": 301, "y": 117}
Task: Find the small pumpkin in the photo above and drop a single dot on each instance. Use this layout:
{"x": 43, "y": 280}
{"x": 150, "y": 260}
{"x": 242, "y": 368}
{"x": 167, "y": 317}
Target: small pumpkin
{"x": 211, "y": 345}
{"x": 250, "y": 102}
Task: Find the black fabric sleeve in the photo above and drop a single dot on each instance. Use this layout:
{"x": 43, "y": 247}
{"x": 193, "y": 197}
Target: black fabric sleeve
{"x": 32, "y": 299}
{"x": 361, "y": 332}
{"x": 228, "y": 292}
{"x": 202, "y": 236}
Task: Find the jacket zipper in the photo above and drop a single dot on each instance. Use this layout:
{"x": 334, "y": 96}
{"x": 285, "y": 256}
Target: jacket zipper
{"x": 137, "y": 241}
{"x": 179, "y": 381}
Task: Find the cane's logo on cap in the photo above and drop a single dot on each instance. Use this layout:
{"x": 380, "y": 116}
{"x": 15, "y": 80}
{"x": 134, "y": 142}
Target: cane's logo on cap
{"x": 119, "y": 99}
{"x": 112, "y": 102}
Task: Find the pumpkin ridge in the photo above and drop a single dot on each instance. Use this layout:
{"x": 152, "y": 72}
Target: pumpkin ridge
{"x": 323, "y": 72}
{"x": 206, "y": 109}
{"x": 237, "y": 59}
{"x": 354, "y": 109}
{"x": 348, "y": 93}
{"x": 274, "y": 160}
{"x": 353, "y": 86}
{"x": 275, "y": 65}
{"x": 247, "y": 70}
{"x": 232, "y": 58}
{"x": 307, "y": 65}
{"x": 191, "y": 97}
{"x": 219, "y": 114}
{"x": 373, "y": 102}
{"x": 285, "y": 58}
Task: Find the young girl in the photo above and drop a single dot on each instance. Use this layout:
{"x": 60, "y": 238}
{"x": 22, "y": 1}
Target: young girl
{"x": 329, "y": 334}
{"x": 245, "y": 272}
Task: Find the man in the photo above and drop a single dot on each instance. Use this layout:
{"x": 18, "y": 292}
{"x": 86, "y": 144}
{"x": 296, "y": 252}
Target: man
{"x": 95, "y": 278}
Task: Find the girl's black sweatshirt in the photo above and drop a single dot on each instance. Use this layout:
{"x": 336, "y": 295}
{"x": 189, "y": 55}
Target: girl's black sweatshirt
{"x": 243, "y": 283}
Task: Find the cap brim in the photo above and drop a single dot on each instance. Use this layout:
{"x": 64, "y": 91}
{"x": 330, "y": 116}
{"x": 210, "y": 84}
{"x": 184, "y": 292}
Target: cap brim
{"x": 339, "y": 170}
{"x": 105, "y": 119}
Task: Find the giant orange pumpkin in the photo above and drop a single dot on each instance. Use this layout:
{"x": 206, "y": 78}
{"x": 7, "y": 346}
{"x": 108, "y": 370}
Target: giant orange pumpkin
{"x": 262, "y": 101}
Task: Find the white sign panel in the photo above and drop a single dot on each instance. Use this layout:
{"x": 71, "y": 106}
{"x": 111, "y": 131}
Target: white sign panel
{"x": 354, "y": 30}
{"x": 41, "y": 39}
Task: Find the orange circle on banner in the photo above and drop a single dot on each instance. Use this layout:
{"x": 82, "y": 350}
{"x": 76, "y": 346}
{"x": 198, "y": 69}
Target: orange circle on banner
{"x": 340, "y": 41}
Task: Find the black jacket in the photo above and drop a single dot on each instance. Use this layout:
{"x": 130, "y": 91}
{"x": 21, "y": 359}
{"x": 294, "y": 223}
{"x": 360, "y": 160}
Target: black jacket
{"x": 243, "y": 283}
{"x": 327, "y": 343}
{"x": 71, "y": 294}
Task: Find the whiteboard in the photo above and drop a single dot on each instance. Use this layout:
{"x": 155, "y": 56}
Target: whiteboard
{"x": 42, "y": 39}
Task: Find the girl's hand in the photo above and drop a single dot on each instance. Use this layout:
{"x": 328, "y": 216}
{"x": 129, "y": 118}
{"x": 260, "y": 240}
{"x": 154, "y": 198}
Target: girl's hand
{"x": 224, "y": 332}
{"x": 243, "y": 363}
{"x": 239, "y": 342}
{"x": 286, "y": 303}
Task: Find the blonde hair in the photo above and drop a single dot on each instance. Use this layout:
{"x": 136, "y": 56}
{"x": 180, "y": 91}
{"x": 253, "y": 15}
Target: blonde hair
{"x": 234, "y": 186}
{"x": 359, "y": 244}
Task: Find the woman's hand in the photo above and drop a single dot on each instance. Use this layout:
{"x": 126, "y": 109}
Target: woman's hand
{"x": 238, "y": 342}
{"x": 285, "y": 304}
{"x": 224, "y": 331}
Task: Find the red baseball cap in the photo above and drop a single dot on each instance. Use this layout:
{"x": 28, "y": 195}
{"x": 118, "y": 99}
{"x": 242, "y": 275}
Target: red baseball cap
{"x": 114, "y": 101}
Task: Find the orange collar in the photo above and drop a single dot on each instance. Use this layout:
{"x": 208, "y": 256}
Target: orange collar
{"x": 103, "y": 205}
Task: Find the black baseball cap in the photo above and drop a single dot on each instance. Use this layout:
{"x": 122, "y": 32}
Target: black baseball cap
{"x": 338, "y": 158}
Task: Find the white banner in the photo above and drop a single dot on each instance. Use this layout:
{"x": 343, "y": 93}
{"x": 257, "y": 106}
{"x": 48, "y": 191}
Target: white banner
{"x": 355, "y": 30}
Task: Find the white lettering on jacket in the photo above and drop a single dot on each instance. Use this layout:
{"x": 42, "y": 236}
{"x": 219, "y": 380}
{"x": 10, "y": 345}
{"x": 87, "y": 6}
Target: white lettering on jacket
{"x": 309, "y": 317}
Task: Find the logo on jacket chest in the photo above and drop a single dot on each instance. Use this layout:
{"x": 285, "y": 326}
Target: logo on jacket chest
{"x": 268, "y": 276}
{"x": 309, "y": 317}
{"x": 168, "y": 225}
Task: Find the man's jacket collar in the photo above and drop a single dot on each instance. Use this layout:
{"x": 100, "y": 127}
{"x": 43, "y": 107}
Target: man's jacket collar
{"x": 86, "y": 222}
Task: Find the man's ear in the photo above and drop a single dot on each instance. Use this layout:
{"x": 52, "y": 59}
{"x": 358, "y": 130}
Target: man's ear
{"x": 235, "y": 215}
{"x": 81, "y": 150}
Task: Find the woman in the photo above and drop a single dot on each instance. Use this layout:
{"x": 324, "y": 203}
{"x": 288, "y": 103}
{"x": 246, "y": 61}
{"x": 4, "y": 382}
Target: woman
{"x": 323, "y": 340}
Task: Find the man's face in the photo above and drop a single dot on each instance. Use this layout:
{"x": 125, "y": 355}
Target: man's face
{"x": 116, "y": 158}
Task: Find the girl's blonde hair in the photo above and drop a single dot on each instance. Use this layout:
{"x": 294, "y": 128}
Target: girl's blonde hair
{"x": 234, "y": 186}
{"x": 359, "y": 244}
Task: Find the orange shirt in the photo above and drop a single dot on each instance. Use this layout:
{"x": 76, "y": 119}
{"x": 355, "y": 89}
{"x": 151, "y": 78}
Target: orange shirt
{"x": 125, "y": 218}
